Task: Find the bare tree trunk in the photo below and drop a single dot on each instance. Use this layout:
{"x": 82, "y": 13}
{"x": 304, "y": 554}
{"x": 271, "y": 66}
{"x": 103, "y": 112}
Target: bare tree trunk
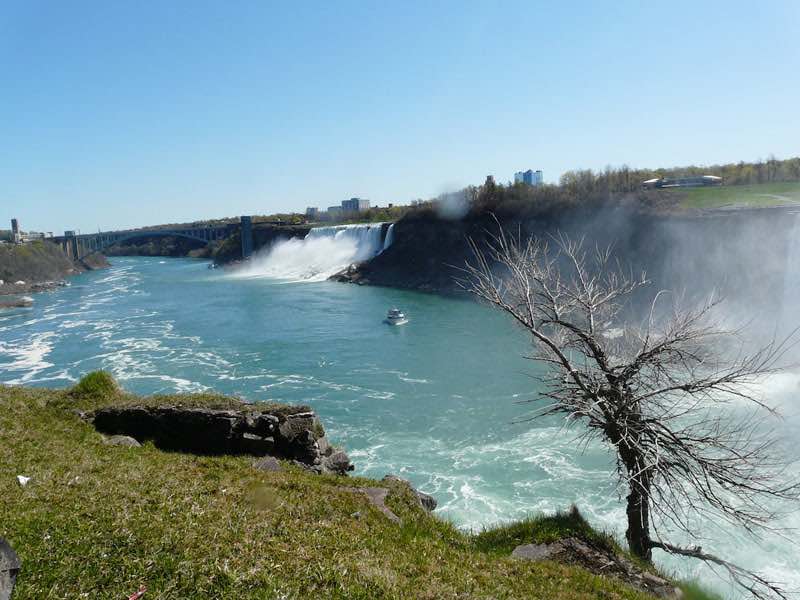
{"x": 638, "y": 533}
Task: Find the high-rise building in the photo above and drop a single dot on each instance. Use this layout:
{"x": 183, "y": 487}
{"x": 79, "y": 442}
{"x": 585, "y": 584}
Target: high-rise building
{"x": 312, "y": 212}
{"x": 355, "y": 205}
{"x": 530, "y": 177}
{"x": 15, "y": 235}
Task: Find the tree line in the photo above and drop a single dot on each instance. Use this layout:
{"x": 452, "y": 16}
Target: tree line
{"x": 627, "y": 179}
{"x": 585, "y": 188}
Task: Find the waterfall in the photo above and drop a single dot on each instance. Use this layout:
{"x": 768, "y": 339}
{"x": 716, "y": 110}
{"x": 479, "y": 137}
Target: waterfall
{"x": 367, "y": 238}
{"x": 323, "y": 252}
{"x": 389, "y": 237}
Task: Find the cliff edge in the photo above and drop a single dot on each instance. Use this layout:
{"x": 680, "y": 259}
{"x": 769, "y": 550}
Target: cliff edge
{"x": 39, "y": 265}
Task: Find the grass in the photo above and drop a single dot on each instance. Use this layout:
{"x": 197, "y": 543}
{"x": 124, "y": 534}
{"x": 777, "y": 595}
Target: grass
{"x": 98, "y": 521}
{"x": 97, "y": 385}
{"x": 757, "y": 195}
{"x": 542, "y": 529}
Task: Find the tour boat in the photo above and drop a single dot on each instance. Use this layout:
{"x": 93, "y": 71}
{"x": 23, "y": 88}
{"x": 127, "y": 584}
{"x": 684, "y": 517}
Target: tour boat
{"x": 396, "y": 317}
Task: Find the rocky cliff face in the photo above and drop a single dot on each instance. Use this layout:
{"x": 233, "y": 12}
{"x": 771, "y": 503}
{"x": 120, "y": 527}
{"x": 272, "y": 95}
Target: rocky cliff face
{"x": 172, "y": 246}
{"x": 38, "y": 266}
{"x": 741, "y": 254}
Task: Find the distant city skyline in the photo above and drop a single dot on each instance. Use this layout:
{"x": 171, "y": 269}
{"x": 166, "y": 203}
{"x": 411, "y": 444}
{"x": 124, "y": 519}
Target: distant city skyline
{"x": 117, "y": 115}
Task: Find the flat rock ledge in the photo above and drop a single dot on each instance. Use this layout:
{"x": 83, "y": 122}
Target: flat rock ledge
{"x": 286, "y": 432}
{"x": 377, "y": 496}
{"x": 600, "y": 561}
{"x": 426, "y": 501}
{"x": 9, "y": 567}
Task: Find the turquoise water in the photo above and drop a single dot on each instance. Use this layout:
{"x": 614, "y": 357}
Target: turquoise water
{"x": 436, "y": 401}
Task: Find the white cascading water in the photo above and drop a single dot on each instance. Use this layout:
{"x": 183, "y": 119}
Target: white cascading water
{"x": 389, "y": 237}
{"x": 322, "y": 253}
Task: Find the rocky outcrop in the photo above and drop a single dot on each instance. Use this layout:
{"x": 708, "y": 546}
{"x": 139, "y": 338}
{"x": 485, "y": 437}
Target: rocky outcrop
{"x": 377, "y": 496}
{"x": 426, "y": 501}
{"x": 288, "y": 432}
{"x": 9, "y": 567}
{"x": 16, "y": 303}
{"x": 598, "y": 560}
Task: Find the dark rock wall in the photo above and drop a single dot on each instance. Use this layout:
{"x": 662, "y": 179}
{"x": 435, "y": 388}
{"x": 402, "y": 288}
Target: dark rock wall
{"x": 741, "y": 254}
{"x": 287, "y": 432}
{"x": 173, "y": 246}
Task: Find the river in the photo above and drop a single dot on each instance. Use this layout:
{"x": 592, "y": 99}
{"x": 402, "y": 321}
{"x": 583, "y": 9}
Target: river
{"x": 437, "y": 401}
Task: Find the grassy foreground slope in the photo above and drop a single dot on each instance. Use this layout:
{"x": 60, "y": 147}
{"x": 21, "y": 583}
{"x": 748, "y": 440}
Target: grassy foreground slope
{"x": 99, "y": 521}
{"x": 755, "y": 195}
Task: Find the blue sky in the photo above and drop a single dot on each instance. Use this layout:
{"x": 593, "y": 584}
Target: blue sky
{"x": 119, "y": 114}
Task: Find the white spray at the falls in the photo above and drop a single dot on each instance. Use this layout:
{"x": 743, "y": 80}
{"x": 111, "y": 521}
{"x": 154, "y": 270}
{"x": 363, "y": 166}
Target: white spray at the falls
{"x": 323, "y": 252}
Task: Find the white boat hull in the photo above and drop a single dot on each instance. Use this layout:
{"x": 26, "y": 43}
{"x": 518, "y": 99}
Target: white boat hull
{"x": 395, "y": 321}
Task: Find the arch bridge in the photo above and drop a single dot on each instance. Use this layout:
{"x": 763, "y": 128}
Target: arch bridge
{"x": 80, "y": 246}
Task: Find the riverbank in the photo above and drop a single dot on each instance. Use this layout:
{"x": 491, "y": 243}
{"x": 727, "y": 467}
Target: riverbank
{"x": 39, "y": 266}
{"x": 108, "y": 520}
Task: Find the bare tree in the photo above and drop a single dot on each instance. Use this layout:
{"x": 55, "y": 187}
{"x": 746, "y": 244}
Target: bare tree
{"x": 674, "y": 395}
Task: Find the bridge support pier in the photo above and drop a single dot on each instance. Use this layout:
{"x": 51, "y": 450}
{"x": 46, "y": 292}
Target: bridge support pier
{"x": 247, "y": 236}
{"x": 71, "y": 247}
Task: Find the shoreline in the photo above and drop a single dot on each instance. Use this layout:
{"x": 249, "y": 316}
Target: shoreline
{"x": 35, "y": 287}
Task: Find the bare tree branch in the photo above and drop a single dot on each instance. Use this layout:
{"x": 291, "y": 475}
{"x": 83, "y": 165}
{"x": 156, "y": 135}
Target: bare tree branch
{"x": 674, "y": 396}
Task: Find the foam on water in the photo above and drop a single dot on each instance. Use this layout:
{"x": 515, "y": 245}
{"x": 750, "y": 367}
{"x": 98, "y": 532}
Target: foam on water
{"x": 27, "y": 358}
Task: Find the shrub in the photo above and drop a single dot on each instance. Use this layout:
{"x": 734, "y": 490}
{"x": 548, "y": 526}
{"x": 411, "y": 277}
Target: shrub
{"x": 95, "y": 385}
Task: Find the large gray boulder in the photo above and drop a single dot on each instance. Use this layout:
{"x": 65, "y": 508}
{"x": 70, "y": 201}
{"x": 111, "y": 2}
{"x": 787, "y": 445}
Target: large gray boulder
{"x": 268, "y": 464}
{"x": 9, "y": 567}
{"x": 121, "y": 440}
{"x": 337, "y": 463}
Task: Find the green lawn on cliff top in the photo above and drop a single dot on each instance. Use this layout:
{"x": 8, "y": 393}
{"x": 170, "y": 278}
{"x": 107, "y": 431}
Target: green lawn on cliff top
{"x": 764, "y": 194}
{"x": 99, "y": 521}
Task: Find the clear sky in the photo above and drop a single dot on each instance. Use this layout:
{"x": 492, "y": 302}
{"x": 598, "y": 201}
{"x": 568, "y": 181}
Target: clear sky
{"x": 124, "y": 113}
